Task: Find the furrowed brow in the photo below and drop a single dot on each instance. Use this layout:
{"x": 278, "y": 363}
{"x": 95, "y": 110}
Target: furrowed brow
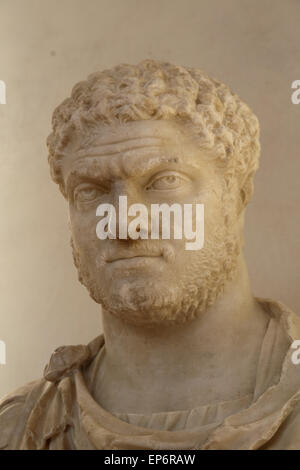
{"x": 109, "y": 169}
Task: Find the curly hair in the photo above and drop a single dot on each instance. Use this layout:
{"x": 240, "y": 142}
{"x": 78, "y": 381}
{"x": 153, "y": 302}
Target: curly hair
{"x": 159, "y": 90}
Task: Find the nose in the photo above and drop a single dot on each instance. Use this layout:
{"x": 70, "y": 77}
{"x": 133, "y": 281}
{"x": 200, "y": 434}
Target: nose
{"x": 128, "y": 204}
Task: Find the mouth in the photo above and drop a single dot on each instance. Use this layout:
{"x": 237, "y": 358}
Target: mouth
{"x": 133, "y": 257}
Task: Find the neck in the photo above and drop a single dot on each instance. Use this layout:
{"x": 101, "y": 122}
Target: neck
{"x": 213, "y": 355}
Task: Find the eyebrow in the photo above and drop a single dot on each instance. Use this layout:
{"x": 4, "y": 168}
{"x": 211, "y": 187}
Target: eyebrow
{"x": 90, "y": 168}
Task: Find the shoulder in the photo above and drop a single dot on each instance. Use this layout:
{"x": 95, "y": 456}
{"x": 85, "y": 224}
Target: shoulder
{"x": 287, "y": 400}
{"x": 15, "y": 409}
{"x": 287, "y": 436}
{"x": 40, "y": 409}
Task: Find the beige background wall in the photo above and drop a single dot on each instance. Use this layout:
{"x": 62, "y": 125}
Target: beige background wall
{"x": 46, "y": 46}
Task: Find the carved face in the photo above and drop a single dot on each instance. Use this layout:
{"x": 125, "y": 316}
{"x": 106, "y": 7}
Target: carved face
{"x": 148, "y": 281}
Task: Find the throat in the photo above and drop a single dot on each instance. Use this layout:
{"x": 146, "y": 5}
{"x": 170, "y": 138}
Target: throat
{"x": 178, "y": 372}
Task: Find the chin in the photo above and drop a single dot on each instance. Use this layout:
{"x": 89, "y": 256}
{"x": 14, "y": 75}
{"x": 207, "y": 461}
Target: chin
{"x": 141, "y": 301}
{"x": 150, "y": 303}
{"x": 147, "y": 301}
{"x": 160, "y": 296}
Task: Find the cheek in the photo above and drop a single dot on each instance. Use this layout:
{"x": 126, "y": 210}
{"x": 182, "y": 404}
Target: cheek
{"x": 214, "y": 205}
{"x": 83, "y": 228}
{"x": 213, "y": 218}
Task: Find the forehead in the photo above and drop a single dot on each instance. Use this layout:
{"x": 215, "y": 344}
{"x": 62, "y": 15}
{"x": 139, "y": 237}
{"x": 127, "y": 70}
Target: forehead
{"x": 132, "y": 146}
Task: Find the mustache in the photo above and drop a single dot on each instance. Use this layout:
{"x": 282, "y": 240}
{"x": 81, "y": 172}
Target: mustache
{"x": 135, "y": 248}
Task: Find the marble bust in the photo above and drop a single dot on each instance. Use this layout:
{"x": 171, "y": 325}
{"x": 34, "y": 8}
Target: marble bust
{"x": 188, "y": 358}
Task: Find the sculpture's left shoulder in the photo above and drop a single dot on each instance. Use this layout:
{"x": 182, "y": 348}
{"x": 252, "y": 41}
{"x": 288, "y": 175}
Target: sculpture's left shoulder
{"x": 287, "y": 391}
{"x": 287, "y": 436}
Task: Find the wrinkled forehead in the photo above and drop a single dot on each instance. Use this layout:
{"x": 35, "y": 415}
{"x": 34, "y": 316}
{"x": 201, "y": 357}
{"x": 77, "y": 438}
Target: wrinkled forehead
{"x": 132, "y": 145}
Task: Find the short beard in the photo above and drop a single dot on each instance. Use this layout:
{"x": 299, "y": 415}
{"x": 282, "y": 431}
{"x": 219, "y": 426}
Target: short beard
{"x": 196, "y": 289}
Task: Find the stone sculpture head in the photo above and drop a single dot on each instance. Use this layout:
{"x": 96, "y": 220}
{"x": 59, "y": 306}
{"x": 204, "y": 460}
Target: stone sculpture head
{"x": 157, "y": 133}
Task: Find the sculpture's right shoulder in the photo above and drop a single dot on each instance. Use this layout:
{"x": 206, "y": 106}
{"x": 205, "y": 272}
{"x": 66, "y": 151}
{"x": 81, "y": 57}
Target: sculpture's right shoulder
{"x": 43, "y": 409}
{"x": 15, "y": 409}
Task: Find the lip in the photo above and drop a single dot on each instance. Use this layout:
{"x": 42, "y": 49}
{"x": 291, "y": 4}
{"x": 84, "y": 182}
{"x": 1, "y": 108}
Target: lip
{"x": 134, "y": 257}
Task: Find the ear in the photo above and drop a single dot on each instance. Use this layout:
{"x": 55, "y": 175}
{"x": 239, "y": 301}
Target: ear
{"x": 245, "y": 193}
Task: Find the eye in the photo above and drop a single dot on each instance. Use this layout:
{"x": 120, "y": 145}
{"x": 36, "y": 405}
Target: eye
{"x": 166, "y": 181}
{"x": 86, "y": 193}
